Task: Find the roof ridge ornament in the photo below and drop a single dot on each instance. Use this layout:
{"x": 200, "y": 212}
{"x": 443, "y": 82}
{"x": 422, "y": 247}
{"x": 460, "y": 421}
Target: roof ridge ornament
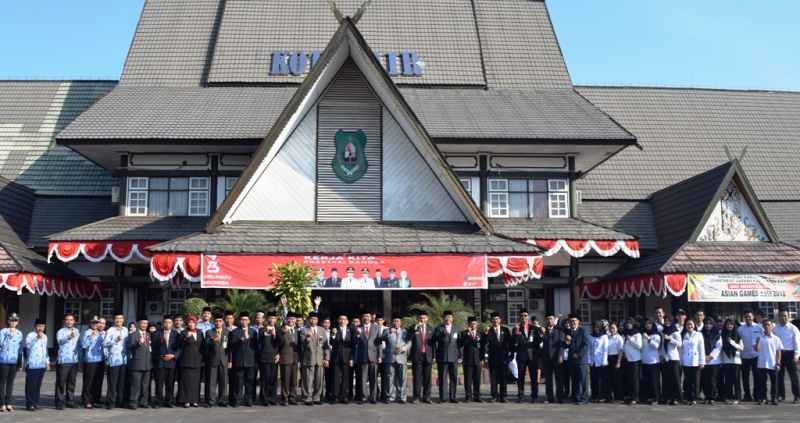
{"x": 336, "y": 12}
{"x": 361, "y": 10}
{"x": 730, "y": 156}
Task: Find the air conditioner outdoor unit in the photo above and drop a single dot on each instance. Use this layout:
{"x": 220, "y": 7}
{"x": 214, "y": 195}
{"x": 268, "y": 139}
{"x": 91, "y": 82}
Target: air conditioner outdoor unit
{"x": 535, "y": 305}
{"x": 155, "y": 307}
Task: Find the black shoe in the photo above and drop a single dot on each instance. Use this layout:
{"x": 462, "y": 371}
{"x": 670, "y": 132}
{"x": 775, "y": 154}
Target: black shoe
{"x": 317, "y": 402}
{"x": 59, "y": 407}
{"x": 796, "y": 400}
{"x": 454, "y": 401}
{"x": 520, "y": 401}
{"x": 761, "y": 402}
{"x": 503, "y": 400}
{"x": 780, "y": 399}
{"x": 36, "y": 407}
{"x": 273, "y": 402}
{"x": 493, "y": 400}
{"x": 70, "y": 405}
{"x": 155, "y": 406}
{"x": 109, "y": 407}
{"x": 774, "y": 402}
{"x": 309, "y": 403}
{"x": 248, "y": 404}
{"x": 710, "y": 402}
{"x": 748, "y": 399}
{"x": 344, "y": 401}
{"x": 30, "y": 408}
{"x": 132, "y": 407}
{"x": 170, "y": 405}
{"x": 372, "y": 401}
{"x": 361, "y": 403}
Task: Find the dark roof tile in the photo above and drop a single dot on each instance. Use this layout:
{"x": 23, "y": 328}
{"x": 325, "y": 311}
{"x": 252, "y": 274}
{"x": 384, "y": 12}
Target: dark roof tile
{"x": 131, "y": 228}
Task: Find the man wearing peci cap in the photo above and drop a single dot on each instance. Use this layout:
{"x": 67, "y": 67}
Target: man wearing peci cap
{"x": 473, "y": 350}
{"x": 38, "y": 363}
{"x": 243, "y": 345}
{"x": 289, "y": 348}
{"x": 139, "y": 344}
{"x": 448, "y": 357}
{"x": 11, "y": 348}
{"x": 217, "y": 360}
{"x": 395, "y": 361}
{"x": 115, "y": 344}
{"x": 369, "y": 353}
{"x": 498, "y": 341}
{"x": 422, "y": 355}
{"x": 526, "y": 340}
{"x": 315, "y": 358}
{"x": 268, "y": 357}
{"x": 70, "y": 355}
{"x": 349, "y": 282}
{"x": 93, "y": 364}
{"x": 164, "y": 362}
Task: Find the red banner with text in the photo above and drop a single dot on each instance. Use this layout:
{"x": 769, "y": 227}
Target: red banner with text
{"x": 349, "y": 271}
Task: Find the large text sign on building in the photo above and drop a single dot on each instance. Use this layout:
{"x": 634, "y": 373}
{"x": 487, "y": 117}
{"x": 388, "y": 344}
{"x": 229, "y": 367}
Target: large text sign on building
{"x": 297, "y": 62}
{"x": 251, "y": 271}
{"x": 743, "y": 287}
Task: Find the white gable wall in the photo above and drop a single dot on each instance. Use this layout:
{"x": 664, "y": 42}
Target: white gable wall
{"x": 732, "y": 219}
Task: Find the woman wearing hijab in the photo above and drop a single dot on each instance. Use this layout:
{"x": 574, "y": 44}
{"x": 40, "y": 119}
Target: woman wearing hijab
{"x": 731, "y": 359}
{"x": 598, "y": 362}
{"x": 671, "y": 363}
{"x": 615, "y": 345}
{"x": 693, "y": 353}
{"x": 651, "y": 357}
{"x": 632, "y": 352}
{"x": 713, "y": 347}
{"x": 190, "y": 347}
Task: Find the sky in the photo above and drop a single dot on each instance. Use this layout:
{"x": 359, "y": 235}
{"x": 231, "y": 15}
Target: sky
{"x": 710, "y": 43}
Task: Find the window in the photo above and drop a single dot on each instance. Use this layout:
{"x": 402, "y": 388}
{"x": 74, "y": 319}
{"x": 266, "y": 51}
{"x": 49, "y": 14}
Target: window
{"x": 529, "y": 197}
{"x": 717, "y": 309}
{"x": 585, "y": 312}
{"x": 175, "y": 309}
{"x": 177, "y": 196}
{"x": 107, "y": 303}
{"x": 616, "y": 311}
{"x": 792, "y": 308}
{"x": 176, "y": 299}
{"x": 74, "y": 307}
{"x": 769, "y": 309}
{"x": 229, "y": 183}
{"x": 516, "y": 302}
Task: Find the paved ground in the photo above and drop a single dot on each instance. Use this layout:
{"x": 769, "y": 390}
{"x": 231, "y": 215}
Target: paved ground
{"x": 461, "y": 413}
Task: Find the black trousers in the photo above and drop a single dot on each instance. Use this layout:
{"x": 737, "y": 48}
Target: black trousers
{"x": 165, "y": 386}
{"x": 216, "y": 385}
{"x": 631, "y": 383}
{"x": 330, "y": 393}
{"x": 8, "y": 372}
{"x": 650, "y": 382}
{"x": 140, "y": 384}
{"x": 352, "y": 388}
{"x": 720, "y": 395}
{"x": 748, "y": 364}
{"x": 733, "y": 385}
{"x": 497, "y": 378}
{"x": 615, "y": 377}
{"x": 600, "y": 383}
{"x": 66, "y": 375}
{"x": 691, "y": 383}
{"x": 288, "y": 381}
{"x": 708, "y": 377}
{"x": 241, "y": 376}
{"x": 340, "y": 388}
{"x": 116, "y": 386}
{"x": 567, "y": 379}
{"x": 448, "y": 374}
{"x": 421, "y": 373}
{"x": 531, "y": 367}
{"x": 671, "y": 381}
{"x": 472, "y": 382}
{"x": 760, "y": 384}
{"x": 269, "y": 381}
{"x": 33, "y": 386}
{"x": 788, "y": 366}
{"x": 553, "y": 370}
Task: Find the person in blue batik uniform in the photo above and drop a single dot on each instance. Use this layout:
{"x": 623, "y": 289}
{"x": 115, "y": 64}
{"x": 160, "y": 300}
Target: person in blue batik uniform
{"x": 115, "y": 343}
{"x": 10, "y": 360}
{"x": 38, "y": 363}
{"x": 94, "y": 365}
{"x": 70, "y": 355}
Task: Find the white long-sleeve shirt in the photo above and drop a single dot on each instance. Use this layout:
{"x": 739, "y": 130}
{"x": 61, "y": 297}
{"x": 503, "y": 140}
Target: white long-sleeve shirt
{"x": 715, "y": 353}
{"x": 598, "y": 351}
{"x": 650, "y": 349}
{"x": 672, "y": 352}
{"x": 693, "y": 350}
{"x": 615, "y": 344}
{"x": 633, "y": 348}
{"x": 749, "y": 335}
{"x": 790, "y": 337}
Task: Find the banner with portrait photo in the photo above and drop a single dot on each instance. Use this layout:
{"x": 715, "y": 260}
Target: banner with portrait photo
{"x": 251, "y": 271}
{"x": 743, "y": 287}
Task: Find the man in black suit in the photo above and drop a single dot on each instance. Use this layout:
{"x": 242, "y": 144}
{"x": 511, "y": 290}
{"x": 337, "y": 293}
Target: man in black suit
{"x": 217, "y": 363}
{"x": 334, "y": 281}
{"x": 552, "y": 356}
{"x": 369, "y": 353}
{"x": 498, "y": 339}
{"x": 526, "y": 340}
{"x": 423, "y": 348}
{"x": 289, "y": 348}
{"x": 243, "y": 345}
{"x": 448, "y": 357}
{"x": 473, "y": 351}
{"x": 342, "y": 354}
{"x": 380, "y": 282}
{"x": 268, "y": 357}
{"x": 164, "y": 363}
{"x": 140, "y": 364}
{"x": 579, "y": 361}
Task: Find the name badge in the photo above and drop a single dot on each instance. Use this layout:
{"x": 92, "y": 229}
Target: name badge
{"x": 455, "y": 336}
{"x": 224, "y": 345}
{"x": 530, "y": 338}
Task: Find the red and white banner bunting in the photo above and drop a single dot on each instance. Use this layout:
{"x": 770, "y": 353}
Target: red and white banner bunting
{"x": 660, "y": 285}
{"x": 580, "y": 247}
{"x": 171, "y": 268}
{"x": 45, "y": 285}
{"x": 515, "y": 269}
{"x": 120, "y": 251}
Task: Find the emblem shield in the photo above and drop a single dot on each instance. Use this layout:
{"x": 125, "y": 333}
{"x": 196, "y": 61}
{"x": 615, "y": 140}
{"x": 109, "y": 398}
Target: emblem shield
{"x": 349, "y": 163}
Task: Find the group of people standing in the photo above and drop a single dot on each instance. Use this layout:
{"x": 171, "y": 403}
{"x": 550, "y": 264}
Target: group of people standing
{"x": 637, "y": 360}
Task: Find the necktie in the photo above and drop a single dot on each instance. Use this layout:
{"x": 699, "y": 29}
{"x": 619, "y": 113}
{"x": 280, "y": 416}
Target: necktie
{"x": 497, "y": 331}
{"x": 423, "y": 339}
{"x": 367, "y": 327}
{"x": 314, "y": 331}
{"x": 144, "y": 338}
{"x": 272, "y": 330}
{"x": 397, "y": 337}
{"x": 473, "y": 336}
{"x": 549, "y": 331}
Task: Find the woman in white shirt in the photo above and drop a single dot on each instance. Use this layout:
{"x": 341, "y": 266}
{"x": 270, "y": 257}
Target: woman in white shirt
{"x": 671, "y": 363}
{"x": 713, "y": 346}
{"x": 598, "y": 361}
{"x": 731, "y": 359}
{"x": 692, "y": 361}
{"x": 632, "y": 352}
{"x": 615, "y": 345}
{"x": 651, "y": 357}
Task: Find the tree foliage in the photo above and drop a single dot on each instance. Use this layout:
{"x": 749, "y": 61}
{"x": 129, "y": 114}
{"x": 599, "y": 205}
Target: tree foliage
{"x": 436, "y": 305}
{"x": 295, "y": 282}
{"x": 193, "y": 307}
{"x": 238, "y": 301}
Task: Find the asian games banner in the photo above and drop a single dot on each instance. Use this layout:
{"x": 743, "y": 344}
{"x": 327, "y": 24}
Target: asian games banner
{"x": 736, "y": 287}
{"x": 349, "y": 271}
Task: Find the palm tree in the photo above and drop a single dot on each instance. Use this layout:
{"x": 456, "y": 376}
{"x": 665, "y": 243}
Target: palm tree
{"x": 238, "y": 301}
{"x": 437, "y": 305}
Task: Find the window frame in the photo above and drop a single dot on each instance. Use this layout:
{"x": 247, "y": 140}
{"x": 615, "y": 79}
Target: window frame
{"x": 557, "y": 192}
{"x": 139, "y": 189}
{"x": 70, "y": 307}
{"x": 515, "y": 301}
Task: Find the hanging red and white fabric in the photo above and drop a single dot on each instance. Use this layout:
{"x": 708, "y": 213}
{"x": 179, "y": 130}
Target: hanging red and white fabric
{"x": 46, "y": 285}
{"x": 165, "y": 267}
{"x": 580, "y": 247}
{"x": 515, "y": 269}
{"x": 660, "y": 285}
{"x": 120, "y": 251}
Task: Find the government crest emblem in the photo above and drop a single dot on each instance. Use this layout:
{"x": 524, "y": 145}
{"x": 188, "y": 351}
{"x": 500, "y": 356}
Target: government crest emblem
{"x": 349, "y": 163}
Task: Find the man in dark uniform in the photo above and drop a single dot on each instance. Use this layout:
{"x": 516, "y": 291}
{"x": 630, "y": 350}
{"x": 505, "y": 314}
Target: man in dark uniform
{"x": 140, "y": 364}
{"x": 448, "y": 357}
{"x": 380, "y": 281}
{"x": 243, "y": 345}
{"x": 498, "y": 340}
{"x": 217, "y": 361}
{"x": 392, "y": 281}
{"x": 164, "y": 363}
{"x": 342, "y": 353}
{"x": 526, "y": 341}
{"x": 423, "y": 348}
{"x": 289, "y": 348}
{"x": 268, "y": 360}
{"x": 552, "y": 356}
{"x": 473, "y": 349}
{"x": 334, "y": 281}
